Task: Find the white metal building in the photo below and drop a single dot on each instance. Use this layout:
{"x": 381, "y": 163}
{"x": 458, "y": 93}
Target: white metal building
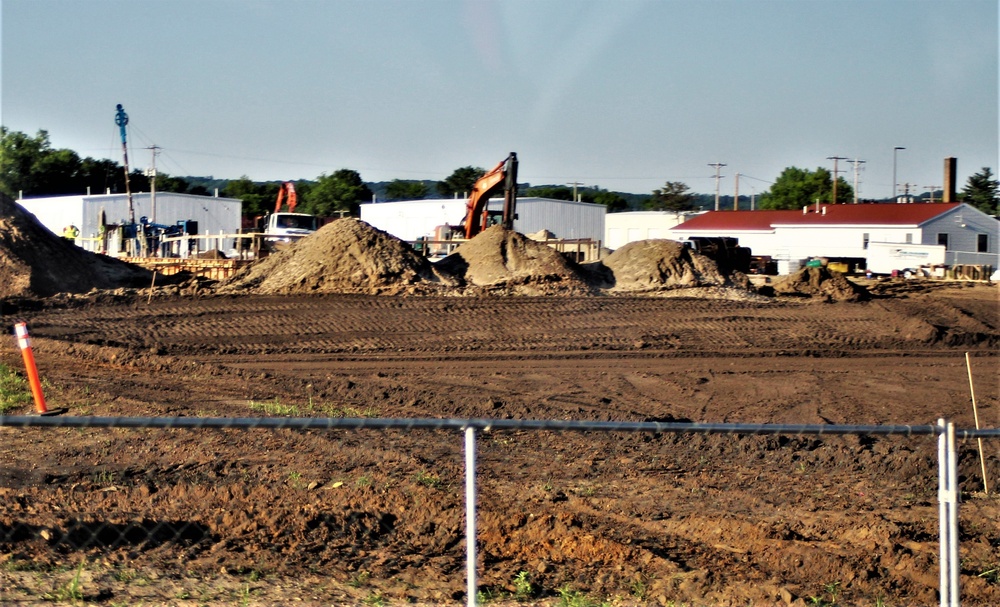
{"x": 844, "y": 230}
{"x": 623, "y": 228}
{"x": 412, "y": 219}
{"x": 214, "y": 215}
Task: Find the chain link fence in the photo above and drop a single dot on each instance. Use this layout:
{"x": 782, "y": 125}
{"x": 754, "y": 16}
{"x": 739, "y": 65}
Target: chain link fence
{"x": 73, "y": 546}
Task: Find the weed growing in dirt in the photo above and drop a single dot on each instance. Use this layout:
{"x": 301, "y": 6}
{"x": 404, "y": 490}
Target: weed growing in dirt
{"x": 295, "y": 480}
{"x": 829, "y": 597}
{"x": 990, "y": 575}
{"x": 574, "y": 598}
{"x": 13, "y": 392}
{"x": 103, "y": 477}
{"x": 71, "y": 591}
{"x": 273, "y": 408}
{"x": 340, "y": 412}
{"x": 359, "y": 579}
{"x": 375, "y": 599}
{"x": 429, "y": 480}
{"x": 523, "y": 590}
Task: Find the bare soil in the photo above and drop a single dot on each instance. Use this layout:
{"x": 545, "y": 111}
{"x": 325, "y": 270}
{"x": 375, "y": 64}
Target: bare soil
{"x": 274, "y": 517}
{"x": 343, "y": 516}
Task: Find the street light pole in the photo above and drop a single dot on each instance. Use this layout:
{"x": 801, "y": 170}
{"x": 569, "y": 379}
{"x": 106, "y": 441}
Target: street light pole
{"x": 894, "y": 150}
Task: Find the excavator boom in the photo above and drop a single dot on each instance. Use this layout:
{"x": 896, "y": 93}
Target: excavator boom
{"x": 287, "y": 190}
{"x": 476, "y": 212}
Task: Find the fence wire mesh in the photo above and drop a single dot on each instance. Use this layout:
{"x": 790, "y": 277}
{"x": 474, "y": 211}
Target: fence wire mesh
{"x": 360, "y": 519}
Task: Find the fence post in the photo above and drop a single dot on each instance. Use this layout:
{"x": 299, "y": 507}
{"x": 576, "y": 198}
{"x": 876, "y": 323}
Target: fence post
{"x": 948, "y": 513}
{"x": 470, "y": 515}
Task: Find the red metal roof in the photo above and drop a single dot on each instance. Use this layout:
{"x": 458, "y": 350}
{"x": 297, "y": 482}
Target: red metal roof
{"x": 836, "y": 214}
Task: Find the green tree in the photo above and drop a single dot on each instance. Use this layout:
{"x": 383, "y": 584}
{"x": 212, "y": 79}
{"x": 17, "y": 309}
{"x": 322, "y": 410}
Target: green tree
{"x": 674, "y": 196}
{"x": 256, "y": 200}
{"x": 342, "y": 192}
{"x": 460, "y": 182}
{"x": 982, "y": 191}
{"x": 19, "y": 158}
{"x": 399, "y": 189}
{"x": 555, "y": 192}
{"x": 614, "y": 201}
{"x": 796, "y": 188}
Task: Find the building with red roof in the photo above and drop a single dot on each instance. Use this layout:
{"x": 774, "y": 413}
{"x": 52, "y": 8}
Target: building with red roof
{"x": 845, "y": 231}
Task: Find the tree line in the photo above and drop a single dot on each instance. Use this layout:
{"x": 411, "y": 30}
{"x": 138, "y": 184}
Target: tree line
{"x": 29, "y": 166}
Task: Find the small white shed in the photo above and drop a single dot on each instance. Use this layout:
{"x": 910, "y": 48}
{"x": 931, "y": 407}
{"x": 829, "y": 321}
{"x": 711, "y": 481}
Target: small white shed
{"x": 623, "y": 228}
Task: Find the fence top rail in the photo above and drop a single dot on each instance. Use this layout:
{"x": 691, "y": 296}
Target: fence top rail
{"x": 325, "y": 423}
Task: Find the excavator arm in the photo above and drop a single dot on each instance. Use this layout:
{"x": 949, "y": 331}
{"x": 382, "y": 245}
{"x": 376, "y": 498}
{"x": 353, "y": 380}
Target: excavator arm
{"x": 287, "y": 189}
{"x": 476, "y": 212}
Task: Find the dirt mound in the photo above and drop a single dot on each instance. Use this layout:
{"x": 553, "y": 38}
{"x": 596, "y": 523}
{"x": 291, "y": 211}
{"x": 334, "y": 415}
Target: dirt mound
{"x": 820, "y": 283}
{"x": 344, "y": 256}
{"x": 507, "y": 262}
{"x": 34, "y": 262}
{"x": 658, "y": 264}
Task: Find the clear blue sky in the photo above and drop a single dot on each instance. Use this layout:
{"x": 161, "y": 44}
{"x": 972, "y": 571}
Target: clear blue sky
{"x": 621, "y": 94}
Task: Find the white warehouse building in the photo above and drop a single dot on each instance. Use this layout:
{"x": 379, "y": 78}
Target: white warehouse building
{"x": 413, "y": 219}
{"x": 214, "y": 215}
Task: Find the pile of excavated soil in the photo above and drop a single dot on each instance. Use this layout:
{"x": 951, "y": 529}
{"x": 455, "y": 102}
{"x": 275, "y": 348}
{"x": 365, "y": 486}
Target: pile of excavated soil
{"x": 344, "y": 256}
{"x": 820, "y": 283}
{"x": 34, "y": 262}
{"x": 659, "y": 265}
{"x": 506, "y": 262}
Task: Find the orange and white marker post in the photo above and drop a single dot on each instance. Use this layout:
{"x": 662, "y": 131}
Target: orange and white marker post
{"x": 24, "y": 342}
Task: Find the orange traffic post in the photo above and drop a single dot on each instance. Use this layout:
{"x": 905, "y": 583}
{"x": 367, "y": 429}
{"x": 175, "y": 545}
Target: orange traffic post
{"x": 24, "y": 342}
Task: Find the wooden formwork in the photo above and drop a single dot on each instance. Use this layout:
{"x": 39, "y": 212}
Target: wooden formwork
{"x": 215, "y": 269}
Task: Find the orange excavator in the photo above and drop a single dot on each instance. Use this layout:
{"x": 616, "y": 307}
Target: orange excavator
{"x": 477, "y": 216}
{"x": 286, "y": 191}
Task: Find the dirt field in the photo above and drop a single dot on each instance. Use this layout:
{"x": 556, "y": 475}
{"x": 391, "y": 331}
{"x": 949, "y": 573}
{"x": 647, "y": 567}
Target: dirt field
{"x": 258, "y": 517}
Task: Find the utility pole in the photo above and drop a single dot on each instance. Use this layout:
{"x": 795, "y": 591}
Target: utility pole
{"x": 717, "y": 165}
{"x": 857, "y": 167}
{"x": 894, "y": 150}
{"x": 121, "y": 119}
{"x": 574, "y": 184}
{"x": 736, "y": 197}
{"x": 835, "y": 171}
{"x": 932, "y": 188}
{"x": 152, "y": 181}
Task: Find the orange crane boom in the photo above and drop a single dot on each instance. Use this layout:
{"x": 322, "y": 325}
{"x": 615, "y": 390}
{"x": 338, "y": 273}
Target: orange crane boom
{"x": 476, "y": 212}
{"x": 287, "y": 189}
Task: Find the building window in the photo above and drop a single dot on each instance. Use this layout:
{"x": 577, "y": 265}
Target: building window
{"x": 864, "y": 239}
{"x": 983, "y": 243}
{"x": 943, "y": 239}
{"x": 909, "y": 238}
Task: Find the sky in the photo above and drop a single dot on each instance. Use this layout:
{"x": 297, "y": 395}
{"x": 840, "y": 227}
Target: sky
{"x": 624, "y": 95}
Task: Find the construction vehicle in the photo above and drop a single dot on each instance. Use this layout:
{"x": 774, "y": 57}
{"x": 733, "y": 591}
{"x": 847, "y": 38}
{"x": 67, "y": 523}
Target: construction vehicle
{"x": 477, "y": 216}
{"x": 282, "y": 227}
{"x": 725, "y": 251}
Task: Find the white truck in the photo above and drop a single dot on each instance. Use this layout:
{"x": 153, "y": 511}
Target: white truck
{"x": 884, "y": 257}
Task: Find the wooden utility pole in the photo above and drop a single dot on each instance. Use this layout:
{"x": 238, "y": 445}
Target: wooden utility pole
{"x": 835, "y": 171}
{"x": 736, "y": 198}
{"x": 717, "y": 165}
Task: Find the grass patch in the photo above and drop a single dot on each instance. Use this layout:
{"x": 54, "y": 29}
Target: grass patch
{"x": 273, "y": 408}
{"x": 14, "y": 391}
{"x": 71, "y": 591}
{"x": 429, "y": 480}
